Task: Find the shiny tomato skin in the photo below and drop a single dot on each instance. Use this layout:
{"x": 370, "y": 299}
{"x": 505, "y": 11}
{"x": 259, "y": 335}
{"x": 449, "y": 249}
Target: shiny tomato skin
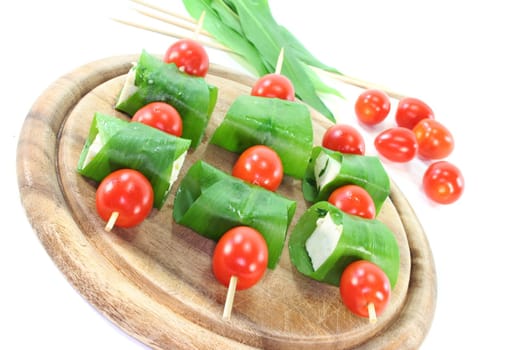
{"x": 372, "y": 107}
{"x": 434, "y": 140}
{"x": 362, "y": 283}
{"x": 160, "y": 115}
{"x": 274, "y": 86}
{"x": 127, "y": 192}
{"x": 260, "y": 165}
{"x": 443, "y": 182}
{"x": 410, "y": 111}
{"x": 396, "y": 144}
{"x": 353, "y": 200}
{"x": 189, "y": 56}
{"x": 344, "y": 138}
{"x": 240, "y": 252}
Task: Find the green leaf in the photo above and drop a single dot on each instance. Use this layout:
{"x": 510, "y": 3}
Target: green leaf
{"x": 260, "y": 28}
{"x": 226, "y": 35}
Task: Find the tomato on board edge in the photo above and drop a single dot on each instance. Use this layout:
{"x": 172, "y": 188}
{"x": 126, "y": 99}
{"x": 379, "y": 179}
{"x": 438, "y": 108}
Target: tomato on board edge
{"x": 410, "y": 111}
{"x": 160, "y": 115}
{"x": 259, "y": 165}
{"x": 372, "y": 106}
{"x": 240, "y": 252}
{"x": 189, "y": 56}
{"x": 344, "y": 138}
{"x": 434, "y": 140}
{"x": 397, "y": 144}
{"x": 127, "y": 192}
{"x": 274, "y": 85}
{"x": 363, "y": 283}
{"x": 443, "y": 182}
{"x": 353, "y": 200}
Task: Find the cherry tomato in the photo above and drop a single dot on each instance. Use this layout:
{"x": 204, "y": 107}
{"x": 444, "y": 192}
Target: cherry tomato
{"x": 362, "y": 283}
{"x": 354, "y": 200}
{"x": 372, "y": 107}
{"x": 189, "y": 56}
{"x": 240, "y": 252}
{"x": 443, "y": 182}
{"x": 410, "y": 111}
{"x": 160, "y": 115}
{"x": 344, "y": 138}
{"x": 397, "y": 144}
{"x": 127, "y": 192}
{"x": 259, "y": 165}
{"x": 434, "y": 140}
{"x": 274, "y": 85}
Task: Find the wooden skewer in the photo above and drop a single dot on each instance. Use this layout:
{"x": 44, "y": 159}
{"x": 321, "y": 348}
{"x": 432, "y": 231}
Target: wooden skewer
{"x": 111, "y": 222}
{"x": 341, "y": 77}
{"x": 372, "y": 317}
{"x": 228, "y": 304}
{"x": 173, "y": 35}
{"x": 279, "y": 64}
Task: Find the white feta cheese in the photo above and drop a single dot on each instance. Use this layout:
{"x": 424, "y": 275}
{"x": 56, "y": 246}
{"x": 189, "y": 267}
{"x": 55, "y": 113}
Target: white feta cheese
{"x": 129, "y": 87}
{"x": 326, "y": 169}
{"x": 177, "y": 165}
{"x": 94, "y": 148}
{"x": 321, "y": 244}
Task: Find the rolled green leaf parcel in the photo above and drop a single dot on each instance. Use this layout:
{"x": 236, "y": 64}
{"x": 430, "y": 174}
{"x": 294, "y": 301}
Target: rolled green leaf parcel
{"x": 113, "y": 144}
{"x": 153, "y": 80}
{"x": 329, "y": 170}
{"x": 284, "y": 126}
{"x": 325, "y": 240}
{"x": 211, "y": 202}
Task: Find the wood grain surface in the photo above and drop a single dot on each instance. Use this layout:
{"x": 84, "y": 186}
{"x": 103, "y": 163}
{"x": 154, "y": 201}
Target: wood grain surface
{"x": 155, "y": 281}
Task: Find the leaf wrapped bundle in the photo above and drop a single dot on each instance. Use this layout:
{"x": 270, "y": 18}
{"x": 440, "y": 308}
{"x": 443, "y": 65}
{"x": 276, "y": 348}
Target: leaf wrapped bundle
{"x": 359, "y": 239}
{"x": 153, "y": 80}
{"x": 284, "y": 126}
{"x": 211, "y": 202}
{"x": 329, "y": 170}
{"x": 113, "y": 144}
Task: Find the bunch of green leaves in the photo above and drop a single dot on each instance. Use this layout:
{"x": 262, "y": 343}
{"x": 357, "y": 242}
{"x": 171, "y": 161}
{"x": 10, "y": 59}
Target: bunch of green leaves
{"x": 249, "y": 29}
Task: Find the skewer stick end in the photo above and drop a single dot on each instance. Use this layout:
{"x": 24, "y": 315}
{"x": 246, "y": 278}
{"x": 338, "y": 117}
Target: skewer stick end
{"x": 228, "y": 304}
{"x": 372, "y": 317}
{"x": 279, "y": 64}
{"x": 111, "y": 222}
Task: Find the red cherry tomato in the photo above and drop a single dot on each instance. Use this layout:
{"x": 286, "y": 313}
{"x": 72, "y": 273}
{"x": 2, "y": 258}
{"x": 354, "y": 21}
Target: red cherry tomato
{"x": 397, "y": 144}
{"x": 434, "y": 140}
{"x": 362, "y": 283}
{"x": 410, "y": 111}
{"x": 344, "y": 138}
{"x": 259, "y": 165}
{"x": 127, "y": 192}
{"x": 353, "y": 200}
{"x": 189, "y": 56}
{"x": 240, "y": 252}
{"x": 372, "y": 107}
{"x": 274, "y": 85}
{"x": 160, "y": 115}
{"x": 443, "y": 182}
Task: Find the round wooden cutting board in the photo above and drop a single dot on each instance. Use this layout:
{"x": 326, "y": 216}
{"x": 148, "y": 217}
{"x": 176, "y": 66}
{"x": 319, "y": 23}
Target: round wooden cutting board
{"x": 155, "y": 281}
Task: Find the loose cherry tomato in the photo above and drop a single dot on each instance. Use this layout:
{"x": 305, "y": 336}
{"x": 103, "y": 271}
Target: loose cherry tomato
{"x": 372, "y": 106}
{"x": 259, "y": 165}
{"x": 344, "y": 138}
{"x": 240, "y": 252}
{"x": 189, "y": 56}
{"x": 363, "y": 283}
{"x": 434, "y": 140}
{"x": 127, "y": 192}
{"x": 397, "y": 144}
{"x": 354, "y": 200}
{"x": 443, "y": 182}
{"x": 410, "y": 111}
{"x": 160, "y": 115}
{"x": 274, "y": 85}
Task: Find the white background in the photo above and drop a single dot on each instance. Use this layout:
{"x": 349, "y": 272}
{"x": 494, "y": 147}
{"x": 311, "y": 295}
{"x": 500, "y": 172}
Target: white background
{"x": 464, "y": 58}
